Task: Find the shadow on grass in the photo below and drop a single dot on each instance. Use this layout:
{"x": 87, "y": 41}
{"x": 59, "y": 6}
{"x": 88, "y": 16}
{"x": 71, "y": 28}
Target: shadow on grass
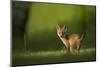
{"x": 52, "y": 57}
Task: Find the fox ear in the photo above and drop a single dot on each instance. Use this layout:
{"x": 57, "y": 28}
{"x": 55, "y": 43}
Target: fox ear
{"x": 57, "y": 26}
{"x": 65, "y": 28}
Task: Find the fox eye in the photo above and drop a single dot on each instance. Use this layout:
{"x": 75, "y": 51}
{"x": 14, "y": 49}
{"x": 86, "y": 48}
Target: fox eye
{"x": 60, "y": 32}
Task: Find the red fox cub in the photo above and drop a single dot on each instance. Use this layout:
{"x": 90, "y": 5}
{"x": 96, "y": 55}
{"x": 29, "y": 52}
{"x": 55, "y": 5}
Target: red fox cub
{"x": 69, "y": 40}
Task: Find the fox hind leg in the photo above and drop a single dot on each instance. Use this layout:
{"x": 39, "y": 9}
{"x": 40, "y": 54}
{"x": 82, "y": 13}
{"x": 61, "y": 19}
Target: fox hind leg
{"x": 78, "y": 46}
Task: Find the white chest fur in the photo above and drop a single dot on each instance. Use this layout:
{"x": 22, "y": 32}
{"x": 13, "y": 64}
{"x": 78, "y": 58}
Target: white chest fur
{"x": 64, "y": 40}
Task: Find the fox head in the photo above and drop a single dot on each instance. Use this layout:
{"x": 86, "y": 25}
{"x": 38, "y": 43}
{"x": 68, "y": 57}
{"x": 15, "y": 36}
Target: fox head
{"x": 61, "y": 31}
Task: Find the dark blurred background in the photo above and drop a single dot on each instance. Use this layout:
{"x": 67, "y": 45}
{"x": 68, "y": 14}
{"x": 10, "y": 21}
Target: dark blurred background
{"x": 34, "y": 25}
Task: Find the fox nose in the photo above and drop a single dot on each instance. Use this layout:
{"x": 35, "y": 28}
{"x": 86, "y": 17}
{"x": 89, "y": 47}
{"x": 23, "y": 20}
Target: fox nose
{"x": 61, "y": 36}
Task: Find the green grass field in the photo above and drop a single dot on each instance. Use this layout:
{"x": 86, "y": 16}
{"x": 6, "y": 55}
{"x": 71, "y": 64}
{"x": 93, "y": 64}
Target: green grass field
{"x": 48, "y": 57}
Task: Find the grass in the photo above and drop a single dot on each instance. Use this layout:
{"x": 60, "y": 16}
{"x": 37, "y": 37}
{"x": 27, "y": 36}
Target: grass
{"x": 48, "y": 57}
